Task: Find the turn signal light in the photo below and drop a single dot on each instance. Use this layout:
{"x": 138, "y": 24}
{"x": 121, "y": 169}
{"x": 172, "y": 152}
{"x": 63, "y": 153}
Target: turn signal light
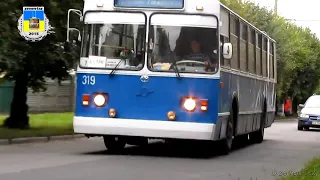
{"x": 85, "y": 99}
{"x": 171, "y": 115}
{"x": 204, "y": 105}
{"x": 112, "y": 113}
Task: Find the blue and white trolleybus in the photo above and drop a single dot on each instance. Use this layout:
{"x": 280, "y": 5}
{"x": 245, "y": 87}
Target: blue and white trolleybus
{"x": 172, "y": 69}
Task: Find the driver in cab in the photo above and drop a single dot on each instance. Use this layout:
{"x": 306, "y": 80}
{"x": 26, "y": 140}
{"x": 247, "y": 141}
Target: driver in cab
{"x": 197, "y": 55}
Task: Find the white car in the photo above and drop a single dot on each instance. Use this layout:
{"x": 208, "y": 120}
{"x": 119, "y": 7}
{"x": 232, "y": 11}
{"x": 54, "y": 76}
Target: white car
{"x": 309, "y": 115}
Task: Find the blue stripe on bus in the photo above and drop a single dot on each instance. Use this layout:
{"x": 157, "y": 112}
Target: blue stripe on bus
{"x": 157, "y": 97}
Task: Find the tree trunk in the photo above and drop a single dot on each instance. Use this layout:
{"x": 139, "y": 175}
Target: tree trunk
{"x": 18, "y": 118}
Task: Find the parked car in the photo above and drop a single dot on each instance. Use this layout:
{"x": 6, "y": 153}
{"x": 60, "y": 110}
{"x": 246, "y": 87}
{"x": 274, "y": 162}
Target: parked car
{"x": 309, "y": 115}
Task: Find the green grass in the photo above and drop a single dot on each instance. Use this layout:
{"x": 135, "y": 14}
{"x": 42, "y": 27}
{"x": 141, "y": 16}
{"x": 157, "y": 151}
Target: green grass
{"x": 311, "y": 171}
{"x": 46, "y": 124}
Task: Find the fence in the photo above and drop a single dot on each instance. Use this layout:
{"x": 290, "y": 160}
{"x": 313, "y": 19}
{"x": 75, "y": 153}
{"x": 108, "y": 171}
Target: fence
{"x": 6, "y": 90}
{"x": 57, "y": 98}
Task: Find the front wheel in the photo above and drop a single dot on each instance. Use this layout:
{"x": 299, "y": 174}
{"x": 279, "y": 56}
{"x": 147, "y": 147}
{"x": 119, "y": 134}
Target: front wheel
{"x": 226, "y": 144}
{"x": 114, "y": 144}
{"x": 240, "y": 140}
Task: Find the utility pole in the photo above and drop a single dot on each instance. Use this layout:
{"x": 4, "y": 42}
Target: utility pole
{"x": 276, "y": 7}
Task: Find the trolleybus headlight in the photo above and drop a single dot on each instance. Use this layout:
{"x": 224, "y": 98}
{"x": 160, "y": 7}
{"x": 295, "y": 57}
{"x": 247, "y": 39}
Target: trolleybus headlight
{"x": 99, "y": 100}
{"x": 189, "y": 104}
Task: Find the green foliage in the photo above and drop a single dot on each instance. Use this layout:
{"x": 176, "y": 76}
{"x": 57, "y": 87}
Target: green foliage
{"x": 28, "y": 64}
{"x": 298, "y": 50}
{"x": 46, "y": 58}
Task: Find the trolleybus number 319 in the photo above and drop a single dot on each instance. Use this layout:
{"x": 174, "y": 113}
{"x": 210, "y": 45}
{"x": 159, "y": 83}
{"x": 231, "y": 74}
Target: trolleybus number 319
{"x": 88, "y": 80}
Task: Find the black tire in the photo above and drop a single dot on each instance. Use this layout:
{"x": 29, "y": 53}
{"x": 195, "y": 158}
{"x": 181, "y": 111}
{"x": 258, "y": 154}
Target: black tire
{"x": 226, "y": 144}
{"x": 257, "y": 136}
{"x": 306, "y": 128}
{"x": 300, "y": 128}
{"x": 114, "y": 144}
{"x": 240, "y": 140}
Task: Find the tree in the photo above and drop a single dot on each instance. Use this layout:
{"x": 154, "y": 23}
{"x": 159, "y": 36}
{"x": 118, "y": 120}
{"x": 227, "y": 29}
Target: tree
{"x": 298, "y": 55}
{"x": 29, "y": 63}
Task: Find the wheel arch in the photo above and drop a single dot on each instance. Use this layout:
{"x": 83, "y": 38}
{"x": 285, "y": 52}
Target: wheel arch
{"x": 234, "y": 108}
{"x": 264, "y": 113}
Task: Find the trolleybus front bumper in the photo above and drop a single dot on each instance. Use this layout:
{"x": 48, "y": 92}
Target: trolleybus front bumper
{"x": 143, "y": 128}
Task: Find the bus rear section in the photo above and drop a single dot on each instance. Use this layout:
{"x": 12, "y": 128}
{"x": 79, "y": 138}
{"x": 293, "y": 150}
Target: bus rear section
{"x": 159, "y": 107}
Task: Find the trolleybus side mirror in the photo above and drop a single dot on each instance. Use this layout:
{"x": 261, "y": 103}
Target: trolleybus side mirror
{"x": 227, "y": 50}
{"x": 79, "y": 13}
{"x": 69, "y": 32}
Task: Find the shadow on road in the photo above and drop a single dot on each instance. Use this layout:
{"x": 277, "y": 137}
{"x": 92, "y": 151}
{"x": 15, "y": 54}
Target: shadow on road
{"x": 313, "y": 130}
{"x": 178, "y": 150}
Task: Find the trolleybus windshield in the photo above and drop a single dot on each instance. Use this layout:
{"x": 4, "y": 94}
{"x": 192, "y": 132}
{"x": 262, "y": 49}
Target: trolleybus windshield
{"x": 188, "y": 41}
{"x": 111, "y": 39}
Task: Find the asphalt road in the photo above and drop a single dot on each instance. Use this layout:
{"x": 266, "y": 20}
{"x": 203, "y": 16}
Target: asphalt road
{"x": 284, "y": 149}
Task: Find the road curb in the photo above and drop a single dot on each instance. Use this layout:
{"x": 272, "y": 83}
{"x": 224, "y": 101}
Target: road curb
{"x": 39, "y": 139}
{"x": 285, "y": 120}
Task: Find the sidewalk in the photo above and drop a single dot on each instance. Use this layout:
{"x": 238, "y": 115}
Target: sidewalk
{"x": 286, "y": 118}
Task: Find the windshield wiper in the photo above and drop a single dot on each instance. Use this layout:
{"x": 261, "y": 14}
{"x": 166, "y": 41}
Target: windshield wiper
{"x": 115, "y": 68}
{"x": 176, "y": 70}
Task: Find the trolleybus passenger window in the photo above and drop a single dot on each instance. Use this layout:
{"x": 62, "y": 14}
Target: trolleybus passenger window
{"x": 252, "y": 51}
{"x": 259, "y": 54}
{"x": 243, "y": 47}
{"x": 271, "y": 61}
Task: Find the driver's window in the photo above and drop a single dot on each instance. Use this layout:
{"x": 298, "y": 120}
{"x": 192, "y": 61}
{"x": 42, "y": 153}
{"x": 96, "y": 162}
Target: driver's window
{"x": 194, "y": 47}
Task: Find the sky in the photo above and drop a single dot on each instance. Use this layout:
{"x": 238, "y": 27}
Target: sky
{"x": 305, "y": 12}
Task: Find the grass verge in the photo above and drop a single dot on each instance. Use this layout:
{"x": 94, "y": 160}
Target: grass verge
{"x": 311, "y": 171}
{"x": 47, "y": 124}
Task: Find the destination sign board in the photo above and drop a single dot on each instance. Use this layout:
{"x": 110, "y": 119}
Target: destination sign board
{"x": 157, "y": 4}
